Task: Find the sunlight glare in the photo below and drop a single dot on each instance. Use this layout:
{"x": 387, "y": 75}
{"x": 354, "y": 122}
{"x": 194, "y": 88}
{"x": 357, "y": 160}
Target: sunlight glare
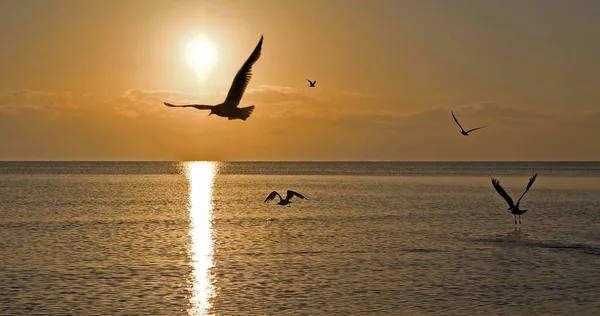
{"x": 201, "y": 54}
{"x": 201, "y": 176}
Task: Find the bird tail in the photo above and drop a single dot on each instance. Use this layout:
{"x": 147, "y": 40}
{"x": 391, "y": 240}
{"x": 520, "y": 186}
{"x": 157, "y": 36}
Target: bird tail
{"x": 245, "y": 112}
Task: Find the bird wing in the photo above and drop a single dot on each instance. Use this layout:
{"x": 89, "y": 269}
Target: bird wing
{"x": 197, "y": 106}
{"x": 455, "y": 120}
{"x": 474, "y": 129}
{"x": 500, "y": 189}
{"x": 291, "y": 194}
{"x": 271, "y": 196}
{"x": 242, "y": 78}
{"x": 309, "y": 81}
{"x": 531, "y": 180}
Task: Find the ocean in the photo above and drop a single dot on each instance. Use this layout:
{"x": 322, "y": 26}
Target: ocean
{"x": 373, "y": 238}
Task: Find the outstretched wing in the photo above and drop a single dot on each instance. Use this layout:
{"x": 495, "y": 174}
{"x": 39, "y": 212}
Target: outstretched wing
{"x": 242, "y": 78}
{"x": 310, "y": 82}
{"x": 500, "y": 189}
{"x": 531, "y": 180}
{"x": 474, "y": 129}
{"x": 455, "y": 120}
{"x": 291, "y": 194}
{"x": 271, "y": 196}
{"x": 197, "y": 106}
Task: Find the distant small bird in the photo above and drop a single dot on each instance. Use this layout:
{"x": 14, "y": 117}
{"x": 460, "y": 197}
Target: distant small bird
{"x": 312, "y": 83}
{"x": 229, "y": 108}
{"x": 513, "y": 208}
{"x": 462, "y": 131}
{"x": 288, "y": 197}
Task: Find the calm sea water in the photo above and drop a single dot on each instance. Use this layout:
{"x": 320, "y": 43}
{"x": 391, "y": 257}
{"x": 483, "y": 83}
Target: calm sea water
{"x": 126, "y": 238}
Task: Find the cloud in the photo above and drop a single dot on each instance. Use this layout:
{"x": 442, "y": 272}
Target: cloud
{"x": 46, "y": 125}
{"x": 495, "y": 111}
{"x": 64, "y": 101}
{"x": 281, "y": 95}
{"x": 288, "y": 123}
{"x": 277, "y": 95}
{"x": 432, "y": 135}
{"x": 355, "y": 94}
{"x": 156, "y": 96}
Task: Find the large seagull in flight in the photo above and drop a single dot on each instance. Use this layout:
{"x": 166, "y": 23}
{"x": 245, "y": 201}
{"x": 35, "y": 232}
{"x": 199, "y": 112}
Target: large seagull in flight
{"x": 229, "y": 108}
{"x": 512, "y": 207}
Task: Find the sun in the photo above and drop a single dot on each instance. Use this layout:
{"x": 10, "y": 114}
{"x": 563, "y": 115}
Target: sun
{"x": 201, "y": 54}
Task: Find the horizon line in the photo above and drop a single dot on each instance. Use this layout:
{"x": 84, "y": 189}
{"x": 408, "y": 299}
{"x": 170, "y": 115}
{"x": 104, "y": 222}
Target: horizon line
{"x": 319, "y": 161}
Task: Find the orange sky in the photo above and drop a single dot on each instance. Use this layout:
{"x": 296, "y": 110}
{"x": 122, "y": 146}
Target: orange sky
{"x": 85, "y": 80}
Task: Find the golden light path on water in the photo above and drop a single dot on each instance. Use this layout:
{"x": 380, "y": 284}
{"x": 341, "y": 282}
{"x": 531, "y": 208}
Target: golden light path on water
{"x": 201, "y": 175}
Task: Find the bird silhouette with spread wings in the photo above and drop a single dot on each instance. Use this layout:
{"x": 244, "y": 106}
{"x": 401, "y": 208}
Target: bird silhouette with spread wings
{"x": 512, "y": 207}
{"x": 462, "y": 131}
{"x": 288, "y": 197}
{"x": 311, "y": 83}
{"x": 229, "y": 108}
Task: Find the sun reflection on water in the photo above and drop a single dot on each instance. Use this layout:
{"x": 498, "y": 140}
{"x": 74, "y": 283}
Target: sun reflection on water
{"x": 201, "y": 176}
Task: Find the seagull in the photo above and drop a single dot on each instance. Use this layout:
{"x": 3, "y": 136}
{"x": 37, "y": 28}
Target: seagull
{"x": 229, "y": 108}
{"x": 462, "y": 131}
{"x": 513, "y": 208}
{"x": 312, "y": 83}
{"x": 288, "y": 197}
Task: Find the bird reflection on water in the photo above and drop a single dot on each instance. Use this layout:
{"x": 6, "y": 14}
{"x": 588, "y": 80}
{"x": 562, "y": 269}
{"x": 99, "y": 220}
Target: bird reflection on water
{"x": 201, "y": 176}
{"x": 517, "y": 233}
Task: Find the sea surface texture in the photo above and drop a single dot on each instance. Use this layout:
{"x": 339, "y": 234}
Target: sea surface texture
{"x": 373, "y": 238}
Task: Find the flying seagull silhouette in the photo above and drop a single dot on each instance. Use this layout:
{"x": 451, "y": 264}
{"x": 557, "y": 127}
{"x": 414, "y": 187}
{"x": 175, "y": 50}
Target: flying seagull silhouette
{"x": 229, "y": 108}
{"x": 312, "y": 83}
{"x": 513, "y": 208}
{"x": 288, "y": 197}
{"x": 462, "y": 131}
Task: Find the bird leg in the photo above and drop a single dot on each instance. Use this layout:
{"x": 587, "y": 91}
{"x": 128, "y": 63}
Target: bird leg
{"x": 519, "y": 219}
{"x": 515, "y": 219}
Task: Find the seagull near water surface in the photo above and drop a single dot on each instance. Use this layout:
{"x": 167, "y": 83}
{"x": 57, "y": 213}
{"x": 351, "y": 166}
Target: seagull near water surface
{"x": 462, "y": 131}
{"x": 311, "y": 83}
{"x": 229, "y": 108}
{"x": 512, "y": 207}
{"x": 288, "y": 197}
